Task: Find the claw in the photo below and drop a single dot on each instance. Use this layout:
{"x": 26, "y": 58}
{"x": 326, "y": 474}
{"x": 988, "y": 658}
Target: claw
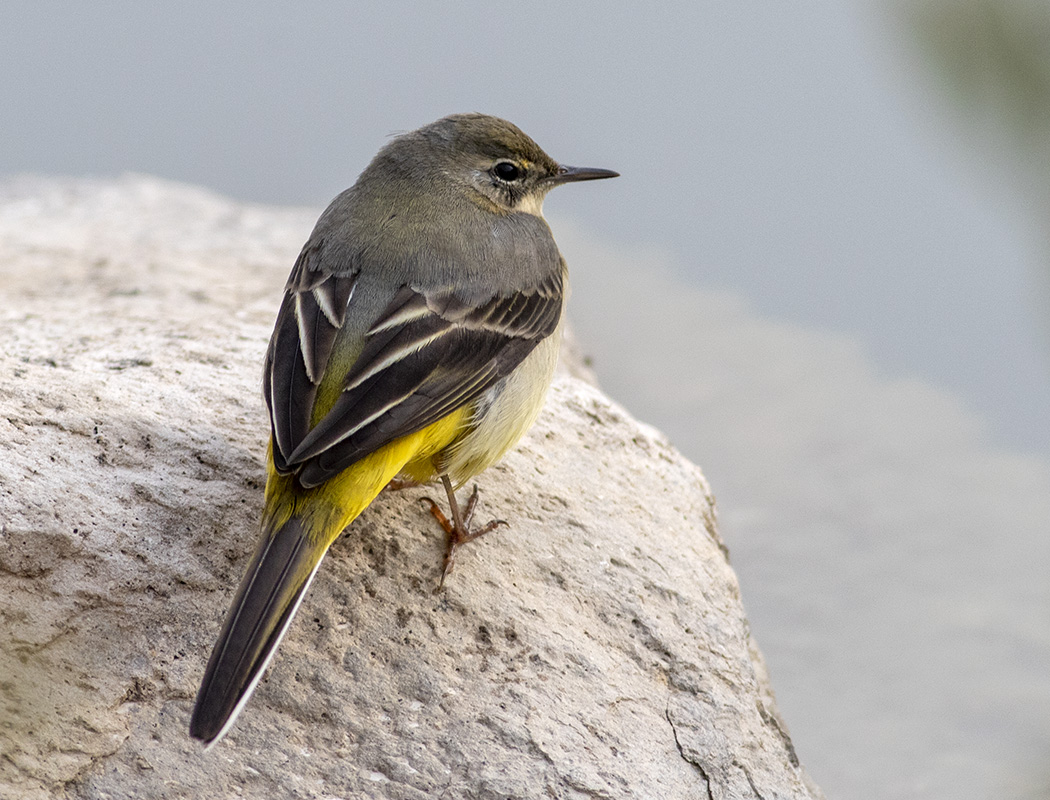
{"x": 396, "y": 484}
{"x": 439, "y": 515}
{"x": 458, "y": 529}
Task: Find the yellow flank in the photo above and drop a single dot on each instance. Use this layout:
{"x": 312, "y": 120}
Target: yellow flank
{"x": 327, "y": 509}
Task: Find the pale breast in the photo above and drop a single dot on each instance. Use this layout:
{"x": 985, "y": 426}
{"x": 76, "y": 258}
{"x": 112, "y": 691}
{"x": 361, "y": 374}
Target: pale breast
{"x": 503, "y": 414}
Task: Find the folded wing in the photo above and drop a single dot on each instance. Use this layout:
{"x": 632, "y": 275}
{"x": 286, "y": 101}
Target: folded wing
{"x": 428, "y": 353}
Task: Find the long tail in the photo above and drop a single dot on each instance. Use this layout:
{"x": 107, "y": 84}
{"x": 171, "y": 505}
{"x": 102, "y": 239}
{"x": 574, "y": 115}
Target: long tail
{"x": 274, "y": 585}
{"x": 285, "y": 560}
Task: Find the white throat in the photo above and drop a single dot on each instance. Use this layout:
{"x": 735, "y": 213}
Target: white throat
{"x": 531, "y": 204}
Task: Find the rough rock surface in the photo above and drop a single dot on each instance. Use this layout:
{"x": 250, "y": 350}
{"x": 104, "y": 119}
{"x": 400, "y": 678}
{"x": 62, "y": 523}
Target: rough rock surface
{"x": 595, "y": 647}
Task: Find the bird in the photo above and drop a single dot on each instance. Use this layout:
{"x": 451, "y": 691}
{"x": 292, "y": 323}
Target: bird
{"x": 416, "y": 338}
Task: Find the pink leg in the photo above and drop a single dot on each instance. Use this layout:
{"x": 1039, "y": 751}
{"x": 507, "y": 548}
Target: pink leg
{"x": 458, "y": 528}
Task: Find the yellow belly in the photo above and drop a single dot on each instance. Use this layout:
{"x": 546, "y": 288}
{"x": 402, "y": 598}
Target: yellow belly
{"x": 327, "y": 509}
{"x": 461, "y": 445}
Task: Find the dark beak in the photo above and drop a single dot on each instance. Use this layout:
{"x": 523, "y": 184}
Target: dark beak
{"x": 573, "y": 174}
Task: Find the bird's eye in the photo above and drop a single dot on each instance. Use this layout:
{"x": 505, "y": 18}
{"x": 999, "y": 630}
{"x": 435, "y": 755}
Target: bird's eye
{"x": 507, "y": 171}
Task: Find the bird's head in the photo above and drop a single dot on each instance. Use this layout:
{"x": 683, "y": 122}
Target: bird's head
{"x": 505, "y": 169}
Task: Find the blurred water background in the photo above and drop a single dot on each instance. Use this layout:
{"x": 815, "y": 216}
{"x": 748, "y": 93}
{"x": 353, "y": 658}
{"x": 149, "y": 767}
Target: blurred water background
{"x": 824, "y": 273}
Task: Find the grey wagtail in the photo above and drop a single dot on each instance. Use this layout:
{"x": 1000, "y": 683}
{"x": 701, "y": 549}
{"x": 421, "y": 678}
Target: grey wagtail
{"x": 417, "y": 337}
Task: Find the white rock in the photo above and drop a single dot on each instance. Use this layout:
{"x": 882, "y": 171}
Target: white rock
{"x": 595, "y": 647}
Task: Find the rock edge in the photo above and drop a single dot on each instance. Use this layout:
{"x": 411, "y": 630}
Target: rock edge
{"x": 596, "y": 647}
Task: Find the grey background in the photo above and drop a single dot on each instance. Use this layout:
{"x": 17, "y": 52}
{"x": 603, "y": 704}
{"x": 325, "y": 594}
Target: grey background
{"x": 822, "y": 292}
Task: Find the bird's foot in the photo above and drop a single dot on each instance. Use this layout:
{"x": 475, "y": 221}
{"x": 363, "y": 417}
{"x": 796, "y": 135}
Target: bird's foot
{"x": 397, "y": 483}
{"x": 458, "y": 529}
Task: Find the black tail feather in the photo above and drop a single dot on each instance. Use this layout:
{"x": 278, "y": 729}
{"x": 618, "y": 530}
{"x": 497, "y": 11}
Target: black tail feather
{"x": 269, "y": 595}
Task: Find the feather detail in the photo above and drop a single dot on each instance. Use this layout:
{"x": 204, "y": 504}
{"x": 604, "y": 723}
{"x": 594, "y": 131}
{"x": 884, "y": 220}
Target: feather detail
{"x": 416, "y": 366}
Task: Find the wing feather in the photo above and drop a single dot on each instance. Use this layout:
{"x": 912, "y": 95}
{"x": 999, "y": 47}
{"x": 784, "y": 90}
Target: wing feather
{"x": 428, "y": 353}
{"x": 311, "y": 314}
